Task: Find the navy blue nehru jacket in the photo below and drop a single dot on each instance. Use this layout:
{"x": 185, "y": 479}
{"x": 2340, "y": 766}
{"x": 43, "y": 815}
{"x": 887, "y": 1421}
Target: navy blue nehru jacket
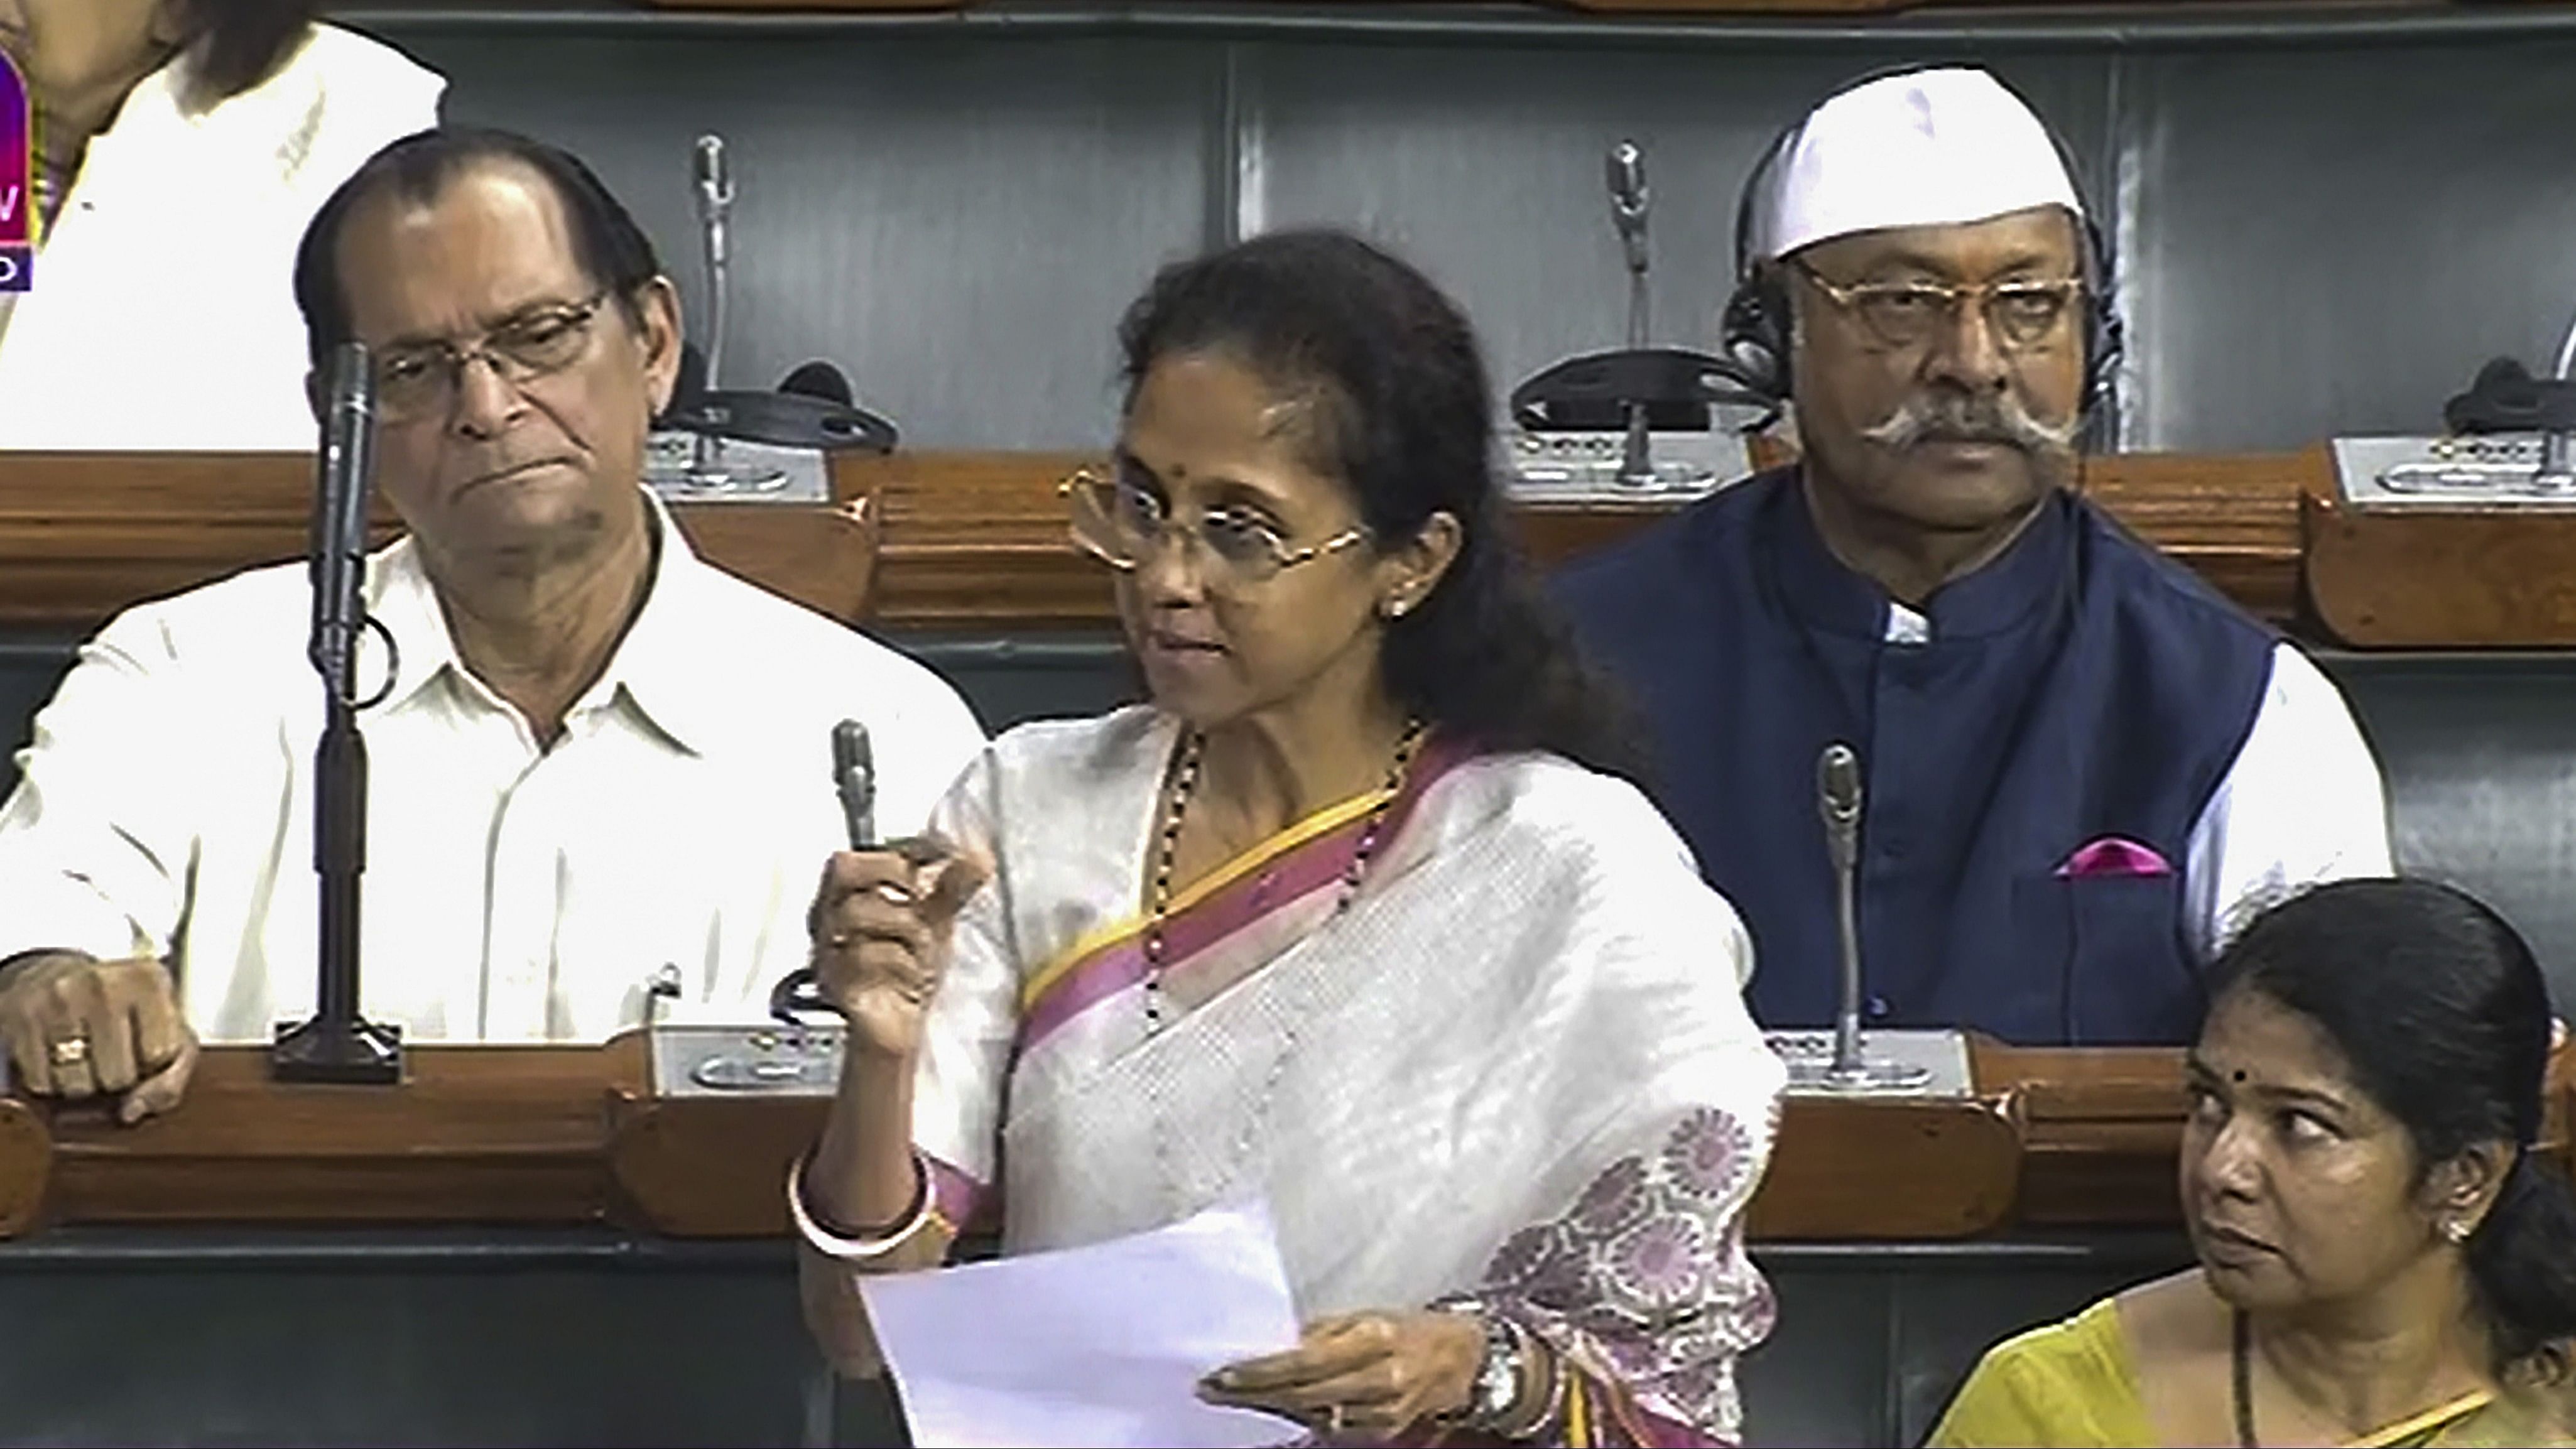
{"x": 2080, "y": 687}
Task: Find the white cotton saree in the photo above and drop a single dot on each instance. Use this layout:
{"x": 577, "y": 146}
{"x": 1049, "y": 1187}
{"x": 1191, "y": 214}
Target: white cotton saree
{"x": 1518, "y": 1069}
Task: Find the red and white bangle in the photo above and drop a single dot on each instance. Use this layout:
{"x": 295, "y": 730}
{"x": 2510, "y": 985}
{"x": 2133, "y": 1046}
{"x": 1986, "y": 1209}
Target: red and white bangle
{"x": 848, "y": 1249}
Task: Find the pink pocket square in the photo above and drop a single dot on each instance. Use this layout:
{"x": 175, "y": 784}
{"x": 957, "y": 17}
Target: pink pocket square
{"x": 2113, "y": 855}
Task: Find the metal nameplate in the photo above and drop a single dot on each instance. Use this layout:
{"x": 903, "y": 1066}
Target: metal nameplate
{"x": 2494, "y": 470}
{"x": 1583, "y": 467}
{"x": 769, "y": 1060}
{"x": 730, "y": 470}
{"x": 1942, "y": 1057}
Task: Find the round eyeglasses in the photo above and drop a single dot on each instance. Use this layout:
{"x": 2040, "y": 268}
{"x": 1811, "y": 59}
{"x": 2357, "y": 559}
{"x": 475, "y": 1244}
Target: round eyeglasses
{"x": 1122, "y": 525}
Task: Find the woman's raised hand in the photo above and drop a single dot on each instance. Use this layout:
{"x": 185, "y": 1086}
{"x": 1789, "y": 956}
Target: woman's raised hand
{"x": 881, "y": 923}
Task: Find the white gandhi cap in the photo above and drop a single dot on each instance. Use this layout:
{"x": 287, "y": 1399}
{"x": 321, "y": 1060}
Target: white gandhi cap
{"x": 1925, "y": 148}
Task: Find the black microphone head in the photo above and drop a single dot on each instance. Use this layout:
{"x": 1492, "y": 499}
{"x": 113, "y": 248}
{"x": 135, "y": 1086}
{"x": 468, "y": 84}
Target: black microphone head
{"x": 1627, "y": 168}
{"x": 819, "y": 379}
{"x": 349, "y": 380}
{"x": 1838, "y": 782}
{"x": 707, "y": 167}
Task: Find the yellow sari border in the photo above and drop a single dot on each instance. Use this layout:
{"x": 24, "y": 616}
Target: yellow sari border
{"x": 1105, "y": 938}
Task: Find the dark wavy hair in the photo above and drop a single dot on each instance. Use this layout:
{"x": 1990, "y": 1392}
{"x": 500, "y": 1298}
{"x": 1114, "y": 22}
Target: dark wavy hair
{"x": 2442, "y": 1014}
{"x": 234, "y": 45}
{"x": 1405, "y": 421}
{"x": 610, "y": 248}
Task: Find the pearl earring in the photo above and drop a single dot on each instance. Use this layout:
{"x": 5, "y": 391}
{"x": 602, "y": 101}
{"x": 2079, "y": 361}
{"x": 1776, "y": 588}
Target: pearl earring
{"x": 2455, "y": 1231}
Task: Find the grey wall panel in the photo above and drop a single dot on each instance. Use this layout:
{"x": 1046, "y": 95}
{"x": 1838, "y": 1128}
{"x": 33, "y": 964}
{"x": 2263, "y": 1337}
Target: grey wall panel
{"x": 1484, "y": 165}
{"x": 957, "y": 223}
{"x": 2334, "y": 240}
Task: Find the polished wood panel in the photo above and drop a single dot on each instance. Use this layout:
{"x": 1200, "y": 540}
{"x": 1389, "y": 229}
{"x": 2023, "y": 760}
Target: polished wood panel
{"x": 83, "y": 535}
{"x": 977, "y": 540}
{"x": 568, "y": 1135}
{"x": 1886, "y": 1170}
{"x": 922, "y": 540}
{"x": 2431, "y": 579}
{"x": 477, "y": 1134}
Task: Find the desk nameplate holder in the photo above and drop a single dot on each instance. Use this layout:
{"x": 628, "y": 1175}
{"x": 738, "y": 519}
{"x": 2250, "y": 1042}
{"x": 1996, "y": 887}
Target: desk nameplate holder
{"x": 697, "y": 468}
{"x": 1582, "y": 467}
{"x": 764, "y": 1060}
{"x": 1927, "y": 1063}
{"x": 2486, "y": 471}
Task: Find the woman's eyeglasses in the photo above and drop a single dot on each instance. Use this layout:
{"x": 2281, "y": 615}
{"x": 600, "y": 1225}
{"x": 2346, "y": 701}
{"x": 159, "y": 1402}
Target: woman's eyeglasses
{"x": 2022, "y": 313}
{"x": 420, "y": 381}
{"x": 1123, "y": 525}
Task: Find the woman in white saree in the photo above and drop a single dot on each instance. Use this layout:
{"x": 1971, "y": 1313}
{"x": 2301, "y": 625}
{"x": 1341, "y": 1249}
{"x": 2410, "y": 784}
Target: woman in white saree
{"x": 1345, "y": 918}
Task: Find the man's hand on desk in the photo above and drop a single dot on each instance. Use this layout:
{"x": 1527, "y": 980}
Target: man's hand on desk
{"x": 78, "y": 1028}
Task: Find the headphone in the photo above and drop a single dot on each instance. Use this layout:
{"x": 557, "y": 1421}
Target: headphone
{"x": 1754, "y": 333}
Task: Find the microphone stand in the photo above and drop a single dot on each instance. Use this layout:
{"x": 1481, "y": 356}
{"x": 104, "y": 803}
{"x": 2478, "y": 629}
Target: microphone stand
{"x": 2555, "y": 471}
{"x": 1850, "y": 1068}
{"x": 337, "y": 1045}
{"x": 1628, "y": 204}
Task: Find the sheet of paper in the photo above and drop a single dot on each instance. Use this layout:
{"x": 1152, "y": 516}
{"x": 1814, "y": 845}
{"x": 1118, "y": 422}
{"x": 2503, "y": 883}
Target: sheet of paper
{"x": 1099, "y": 1346}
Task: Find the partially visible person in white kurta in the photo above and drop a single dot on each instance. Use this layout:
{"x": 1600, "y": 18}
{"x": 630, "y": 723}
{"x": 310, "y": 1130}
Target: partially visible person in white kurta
{"x": 182, "y": 146}
{"x": 597, "y": 753}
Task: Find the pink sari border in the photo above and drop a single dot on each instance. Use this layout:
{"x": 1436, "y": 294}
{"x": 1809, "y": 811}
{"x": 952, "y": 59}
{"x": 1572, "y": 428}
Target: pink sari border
{"x": 1260, "y": 890}
{"x": 954, "y": 1196}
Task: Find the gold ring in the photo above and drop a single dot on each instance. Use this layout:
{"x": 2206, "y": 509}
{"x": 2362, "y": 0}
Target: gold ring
{"x": 71, "y": 1051}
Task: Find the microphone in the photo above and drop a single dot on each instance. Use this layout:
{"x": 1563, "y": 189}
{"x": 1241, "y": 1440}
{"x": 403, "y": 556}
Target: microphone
{"x": 338, "y": 542}
{"x": 715, "y": 208}
{"x": 715, "y": 194}
{"x": 1628, "y": 203}
{"x": 337, "y": 1045}
{"x": 1838, "y": 800}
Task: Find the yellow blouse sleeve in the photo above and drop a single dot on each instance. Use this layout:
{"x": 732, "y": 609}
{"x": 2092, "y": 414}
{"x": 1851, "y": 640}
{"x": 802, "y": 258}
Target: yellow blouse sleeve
{"x": 2068, "y": 1383}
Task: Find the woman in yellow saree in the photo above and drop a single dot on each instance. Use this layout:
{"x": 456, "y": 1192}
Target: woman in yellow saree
{"x": 2383, "y": 1261}
{"x": 1344, "y": 918}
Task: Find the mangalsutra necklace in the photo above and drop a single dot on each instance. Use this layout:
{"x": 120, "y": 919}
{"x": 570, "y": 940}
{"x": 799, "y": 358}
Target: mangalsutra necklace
{"x": 1185, "y": 780}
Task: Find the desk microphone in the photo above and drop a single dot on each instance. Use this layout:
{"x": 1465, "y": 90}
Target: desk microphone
{"x": 1838, "y": 799}
{"x": 715, "y": 210}
{"x": 1628, "y": 204}
{"x": 336, "y": 1044}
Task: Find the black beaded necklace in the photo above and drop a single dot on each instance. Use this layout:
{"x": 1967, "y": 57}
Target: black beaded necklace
{"x": 1185, "y": 780}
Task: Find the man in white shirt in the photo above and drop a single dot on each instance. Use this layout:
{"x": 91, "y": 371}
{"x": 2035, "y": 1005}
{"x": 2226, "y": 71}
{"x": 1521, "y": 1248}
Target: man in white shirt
{"x": 595, "y": 755}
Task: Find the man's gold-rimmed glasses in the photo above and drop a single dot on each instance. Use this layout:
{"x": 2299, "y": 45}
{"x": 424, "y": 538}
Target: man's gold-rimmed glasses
{"x": 2021, "y": 312}
{"x": 420, "y": 380}
{"x": 1122, "y": 525}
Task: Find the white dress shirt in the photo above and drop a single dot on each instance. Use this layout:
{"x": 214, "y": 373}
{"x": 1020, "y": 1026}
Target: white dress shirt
{"x": 512, "y": 892}
{"x": 162, "y": 311}
{"x": 2301, "y": 804}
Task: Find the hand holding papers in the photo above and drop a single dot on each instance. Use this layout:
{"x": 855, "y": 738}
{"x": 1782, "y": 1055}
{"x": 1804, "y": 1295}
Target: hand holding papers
{"x": 1097, "y": 1346}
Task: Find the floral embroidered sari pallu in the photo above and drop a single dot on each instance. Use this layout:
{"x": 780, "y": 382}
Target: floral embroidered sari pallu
{"x": 1517, "y": 1068}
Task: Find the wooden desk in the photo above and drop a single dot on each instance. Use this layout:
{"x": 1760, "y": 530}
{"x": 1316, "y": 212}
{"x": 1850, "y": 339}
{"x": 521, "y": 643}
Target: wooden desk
{"x": 923, "y": 540}
{"x": 566, "y": 1135}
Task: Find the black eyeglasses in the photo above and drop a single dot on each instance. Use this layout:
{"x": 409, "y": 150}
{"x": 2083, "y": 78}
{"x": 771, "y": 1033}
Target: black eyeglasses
{"x": 420, "y": 380}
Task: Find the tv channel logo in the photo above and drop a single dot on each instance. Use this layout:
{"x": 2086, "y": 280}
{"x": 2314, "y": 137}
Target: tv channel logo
{"x": 17, "y": 181}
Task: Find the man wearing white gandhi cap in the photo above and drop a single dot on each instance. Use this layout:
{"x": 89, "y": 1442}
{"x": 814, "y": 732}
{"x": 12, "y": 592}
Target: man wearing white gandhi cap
{"x": 2083, "y": 767}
